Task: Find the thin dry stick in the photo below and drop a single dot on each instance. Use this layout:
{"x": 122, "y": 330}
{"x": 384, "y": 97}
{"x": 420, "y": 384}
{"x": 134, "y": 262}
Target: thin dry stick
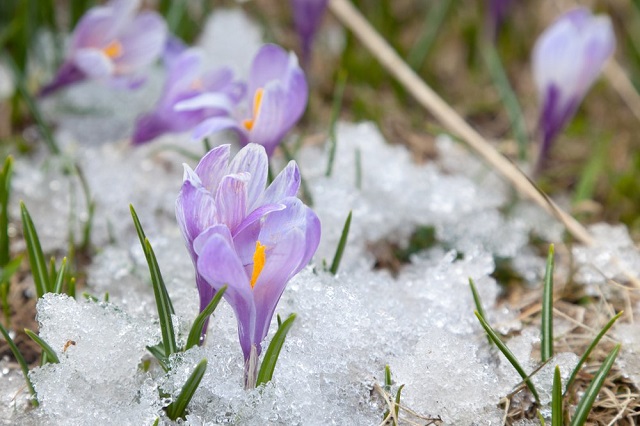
{"x": 620, "y": 82}
{"x": 385, "y": 54}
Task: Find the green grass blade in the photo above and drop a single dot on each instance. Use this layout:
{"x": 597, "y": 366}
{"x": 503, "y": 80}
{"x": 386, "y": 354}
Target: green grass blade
{"x": 478, "y": 302}
{"x": 508, "y": 354}
{"x": 273, "y": 351}
{"x": 557, "y": 418}
{"x": 341, "y": 245}
{"x": 36, "y": 257}
{"x": 21, "y": 361}
{"x": 335, "y": 113}
{"x": 546, "y": 333}
{"x": 178, "y": 407}
{"x": 142, "y": 237}
{"x": 163, "y": 303}
{"x": 387, "y": 378}
{"x": 509, "y": 98}
{"x": 5, "y": 192}
{"x": 398, "y": 396}
{"x": 57, "y": 288}
{"x": 358, "y": 160}
{"x": 435, "y": 18}
{"x": 71, "y": 288}
{"x": 585, "y": 404}
{"x": 158, "y": 353}
{"x": 591, "y": 347}
{"x": 46, "y": 349}
{"x": 198, "y": 323}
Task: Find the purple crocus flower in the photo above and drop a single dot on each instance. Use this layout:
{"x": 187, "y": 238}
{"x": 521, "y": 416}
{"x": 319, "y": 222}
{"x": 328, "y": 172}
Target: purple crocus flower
{"x": 186, "y": 80}
{"x": 496, "y": 15}
{"x": 567, "y": 58}
{"x": 245, "y": 236}
{"x": 307, "y": 17}
{"x": 111, "y": 41}
{"x": 277, "y": 96}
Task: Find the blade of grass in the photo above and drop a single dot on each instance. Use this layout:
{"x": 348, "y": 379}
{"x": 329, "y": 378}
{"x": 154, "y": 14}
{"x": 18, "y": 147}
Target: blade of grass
{"x": 337, "y": 257}
{"x": 546, "y": 343}
{"x": 21, "y": 361}
{"x": 587, "y": 400}
{"x": 589, "y": 176}
{"x": 198, "y": 323}
{"x": 273, "y": 351}
{"x": 178, "y": 407}
{"x": 435, "y": 18}
{"x": 478, "y": 303}
{"x": 335, "y": 113}
{"x": 5, "y": 192}
{"x": 358, "y": 160}
{"x": 591, "y": 347}
{"x": 508, "y": 97}
{"x": 36, "y": 257}
{"x": 508, "y": 354}
{"x": 387, "y": 378}
{"x": 158, "y": 353}
{"x": 557, "y": 418}
{"x": 57, "y": 288}
{"x": 46, "y": 349}
{"x": 398, "y": 396}
{"x": 142, "y": 237}
{"x": 163, "y": 302}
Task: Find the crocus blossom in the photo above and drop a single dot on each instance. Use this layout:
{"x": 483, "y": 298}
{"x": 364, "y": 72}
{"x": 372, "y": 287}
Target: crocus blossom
{"x": 244, "y": 236}
{"x": 276, "y": 98}
{"x": 307, "y": 17}
{"x": 113, "y": 42}
{"x": 186, "y": 80}
{"x": 567, "y": 58}
{"x": 496, "y": 14}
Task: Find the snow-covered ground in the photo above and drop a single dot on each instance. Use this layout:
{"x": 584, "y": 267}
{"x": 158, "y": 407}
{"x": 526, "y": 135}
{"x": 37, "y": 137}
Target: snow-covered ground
{"x": 349, "y": 326}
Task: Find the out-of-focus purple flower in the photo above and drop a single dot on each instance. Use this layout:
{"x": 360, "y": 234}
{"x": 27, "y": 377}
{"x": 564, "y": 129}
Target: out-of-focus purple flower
{"x": 111, "y": 41}
{"x": 186, "y": 80}
{"x": 567, "y": 58}
{"x": 276, "y": 98}
{"x": 307, "y": 16}
{"x": 496, "y": 15}
{"x": 245, "y": 236}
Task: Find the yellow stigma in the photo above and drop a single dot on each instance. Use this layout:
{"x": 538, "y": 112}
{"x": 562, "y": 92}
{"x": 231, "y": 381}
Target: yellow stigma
{"x": 257, "y": 101}
{"x": 113, "y": 50}
{"x": 259, "y": 259}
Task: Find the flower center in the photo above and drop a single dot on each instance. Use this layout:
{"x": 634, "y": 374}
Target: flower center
{"x": 259, "y": 258}
{"x": 113, "y": 49}
{"x": 257, "y": 101}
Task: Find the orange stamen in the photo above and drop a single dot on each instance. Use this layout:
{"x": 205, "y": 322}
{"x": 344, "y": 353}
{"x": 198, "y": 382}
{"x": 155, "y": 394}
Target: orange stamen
{"x": 259, "y": 259}
{"x": 113, "y": 50}
{"x": 257, "y": 101}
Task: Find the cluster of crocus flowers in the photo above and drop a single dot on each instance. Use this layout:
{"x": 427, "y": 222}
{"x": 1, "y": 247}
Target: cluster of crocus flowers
{"x": 245, "y": 235}
{"x": 567, "y": 59}
{"x": 186, "y": 80}
{"x": 275, "y": 100}
{"x": 111, "y": 42}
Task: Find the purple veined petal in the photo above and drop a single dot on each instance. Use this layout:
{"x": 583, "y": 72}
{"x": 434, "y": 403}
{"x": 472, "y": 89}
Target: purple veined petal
{"x": 217, "y": 79}
{"x": 99, "y": 27}
{"x": 213, "y": 166}
{"x": 93, "y": 63}
{"x": 142, "y": 42}
{"x": 206, "y": 100}
{"x": 218, "y": 124}
{"x": 148, "y": 127}
{"x": 270, "y": 63}
{"x": 298, "y": 89}
{"x": 219, "y": 265}
{"x": 286, "y": 184}
{"x": 217, "y": 229}
{"x": 252, "y": 159}
{"x": 270, "y": 125}
{"x": 284, "y": 250}
{"x": 312, "y": 236}
{"x": 231, "y": 200}
{"x": 195, "y": 211}
{"x": 256, "y": 215}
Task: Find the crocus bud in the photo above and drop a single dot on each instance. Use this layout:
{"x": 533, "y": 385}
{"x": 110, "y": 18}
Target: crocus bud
{"x": 567, "y": 58}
